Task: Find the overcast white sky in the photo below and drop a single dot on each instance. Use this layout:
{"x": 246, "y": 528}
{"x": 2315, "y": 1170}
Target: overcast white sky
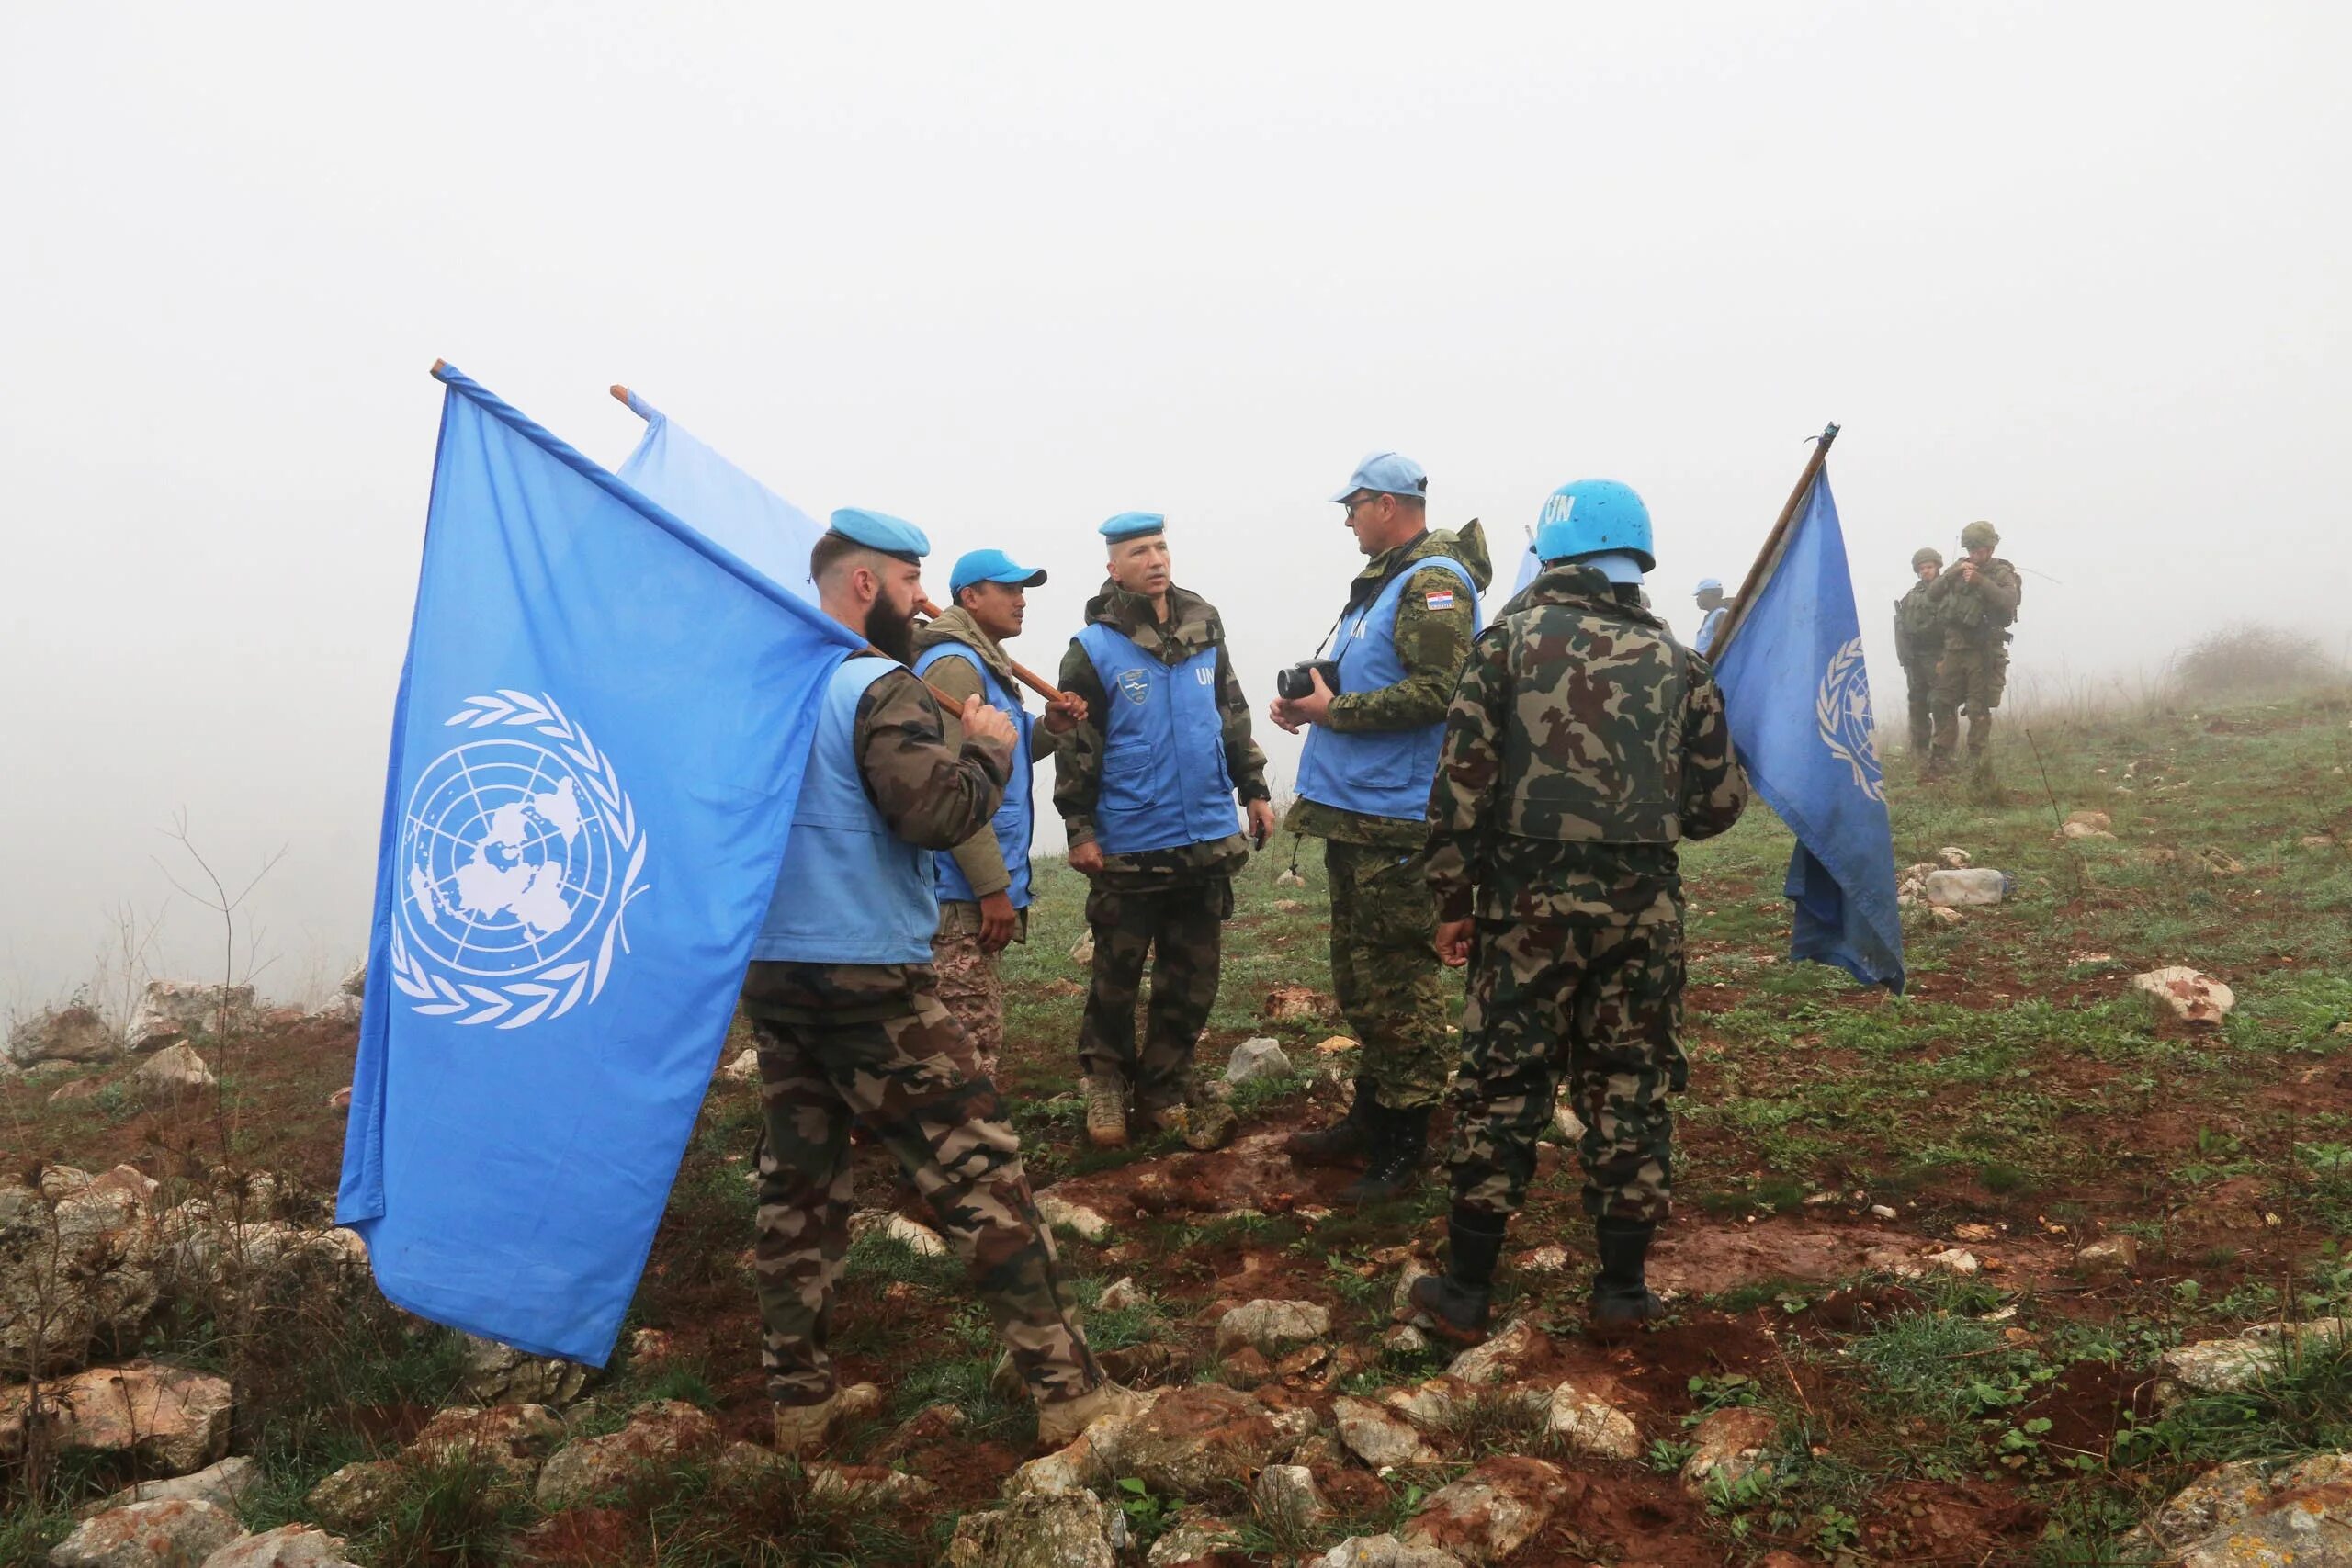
{"x": 2078, "y": 269}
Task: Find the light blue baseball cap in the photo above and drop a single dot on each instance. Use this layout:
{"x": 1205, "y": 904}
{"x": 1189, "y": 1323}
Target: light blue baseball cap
{"x": 1706, "y": 582}
{"x": 1389, "y": 473}
{"x": 880, "y": 531}
{"x": 991, "y": 566}
{"x": 1133, "y": 525}
{"x": 1617, "y": 566}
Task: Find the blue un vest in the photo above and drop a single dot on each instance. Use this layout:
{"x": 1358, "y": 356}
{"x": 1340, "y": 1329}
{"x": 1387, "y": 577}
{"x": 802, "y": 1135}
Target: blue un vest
{"x": 851, "y": 890}
{"x": 1013, "y": 819}
{"x": 1164, "y": 782}
{"x": 1383, "y": 773}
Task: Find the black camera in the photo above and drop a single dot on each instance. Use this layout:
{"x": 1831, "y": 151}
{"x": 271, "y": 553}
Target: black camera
{"x": 1298, "y": 681}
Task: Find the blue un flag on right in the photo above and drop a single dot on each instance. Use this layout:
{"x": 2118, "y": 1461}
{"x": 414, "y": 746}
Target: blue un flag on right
{"x": 1798, "y": 696}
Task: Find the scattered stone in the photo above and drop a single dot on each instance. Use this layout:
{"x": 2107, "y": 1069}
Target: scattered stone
{"x": 1589, "y": 1424}
{"x": 221, "y": 1483}
{"x": 74, "y": 1033}
{"x": 172, "y": 1532}
{"x": 499, "y": 1374}
{"x": 1943, "y": 915}
{"x": 1436, "y": 1402}
{"x": 1195, "y": 1536}
{"x": 181, "y": 1010}
{"x": 2087, "y": 825}
{"x": 1978, "y": 885}
{"x": 1385, "y": 1552}
{"x": 1287, "y": 1498}
{"x": 1289, "y": 879}
{"x": 1501, "y": 1505}
{"x": 1119, "y": 1295}
{"x": 294, "y": 1545}
{"x": 1082, "y": 952}
{"x": 512, "y": 1438}
{"x": 1273, "y": 1327}
{"x": 2196, "y": 998}
{"x": 1952, "y": 858}
{"x": 919, "y": 1239}
{"x": 1194, "y": 1442}
{"x": 1331, "y": 1045}
{"x": 1973, "y": 1230}
{"x": 1509, "y": 1355}
{"x": 1400, "y": 1305}
{"x": 2236, "y": 1516}
{"x": 2225, "y": 1366}
{"x": 2115, "y": 1254}
{"x": 1289, "y": 906}
{"x": 931, "y": 1424}
{"x": 1056, "y": 1529}
{"x": 80, "y": 1088}
{"x": 1060, "y": 1213}
{"x": 1880, "y": 1212}
{"x": 1246, "y": 1368}
{"x": 340, "y": 1099}
{"x": 657, "y": 1436}
{"x": 175, "y": 1069}
{"x": 649, "y": 1348}
{"x": 1730, "y": 1448}
{"x": 1286, "y": 1004}
{"x": 163, "y": 1418}
{"x": 869, "y": 1486}
{"x": 1378, "y": 1437}
{"x": 1261, "y": 1058}
{"x": 1303, "y": 1363}
{"x": 355, "y": 983}
{"x": 1566, "y": 1121}
{"x": 1405, "y": 1340}
{"x": 743, "y": 1068}
{"x": 356, "y": 1496}
{"x": 2317, "y": 842}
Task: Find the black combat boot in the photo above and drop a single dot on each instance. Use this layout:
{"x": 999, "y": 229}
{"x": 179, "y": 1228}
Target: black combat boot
{"x": 1457, "y": 1300}
{"x": 1399, "y": 1139}
{"x": 1345, "y": 1141}
{"x": 1621, "y": 1297}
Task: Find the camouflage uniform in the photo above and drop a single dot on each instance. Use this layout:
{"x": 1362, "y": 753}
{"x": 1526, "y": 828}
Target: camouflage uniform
{"x": 1582, "y": 744}
{"x": 969, "y": 981}
{"x": 1171, "y": 901}
{"x": 1384, "y": 959}
{"x": 843, "y": 1042}
{"x": 1974, "y": 670}
{"x": 1918, "y": 645}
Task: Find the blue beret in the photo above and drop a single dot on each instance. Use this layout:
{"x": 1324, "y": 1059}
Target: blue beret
{"x": 1133, "y": 525}
{"x": 1386, "y": 473}
{"x": 880, "y": 531}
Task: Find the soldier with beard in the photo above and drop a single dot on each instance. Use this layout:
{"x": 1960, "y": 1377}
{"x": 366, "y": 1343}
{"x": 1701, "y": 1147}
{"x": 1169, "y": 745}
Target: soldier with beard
{"x": 845, "y": 1010}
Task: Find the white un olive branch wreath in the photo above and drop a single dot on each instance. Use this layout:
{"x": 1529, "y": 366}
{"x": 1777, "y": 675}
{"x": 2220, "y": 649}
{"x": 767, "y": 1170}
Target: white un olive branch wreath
{"x": 555, "y": 990}
{"x": 1828, "y": 711}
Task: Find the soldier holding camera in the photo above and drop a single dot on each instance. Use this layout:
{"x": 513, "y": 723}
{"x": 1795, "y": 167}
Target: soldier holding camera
{"x": 1146, "y": 784}
{"x": 1377, "y": 714}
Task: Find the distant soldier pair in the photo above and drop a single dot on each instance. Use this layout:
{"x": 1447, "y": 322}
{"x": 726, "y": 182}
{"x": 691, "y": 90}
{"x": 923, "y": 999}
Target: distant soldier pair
{"x": 1952, "y": 635}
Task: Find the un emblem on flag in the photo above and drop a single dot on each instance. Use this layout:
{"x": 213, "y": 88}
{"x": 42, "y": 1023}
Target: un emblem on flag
{"x": 1843, "y": 711}
{"x": 519, "y": 854}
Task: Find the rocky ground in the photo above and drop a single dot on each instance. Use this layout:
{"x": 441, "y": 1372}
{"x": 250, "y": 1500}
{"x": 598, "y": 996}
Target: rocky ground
{"x": 2036, "y": 1264}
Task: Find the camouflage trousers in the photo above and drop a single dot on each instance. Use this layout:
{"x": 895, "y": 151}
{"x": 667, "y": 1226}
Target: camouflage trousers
{"x": 1920, "y": 679}
{"x": 1601, "y": 1004}
{"x": 846, "y": 1042}
{"x": 970, "y": 984}
{"x": 1385, "y": 968}
{"x": 1179, "y": 931}
{"x": 1973, "y": 677}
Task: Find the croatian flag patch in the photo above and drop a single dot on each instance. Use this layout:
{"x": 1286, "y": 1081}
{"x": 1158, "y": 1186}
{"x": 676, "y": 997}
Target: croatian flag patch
{"x": 1441, "y": 600}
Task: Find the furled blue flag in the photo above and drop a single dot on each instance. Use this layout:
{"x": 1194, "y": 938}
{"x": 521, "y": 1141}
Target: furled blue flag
{"x": 1799, "y": 701}
{"x": 693, "y": 481}
{"x": 602, "y": 725}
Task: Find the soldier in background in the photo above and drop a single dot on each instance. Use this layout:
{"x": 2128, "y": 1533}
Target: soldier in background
{"x": 1976, "y": 603}
{"x": 1363, "y": 789}
{"x": 849, "y": 1029}
{"x": 1146, "y": 785}
{"x": 984, "y": 880}
{"x": 1918, "y": 648}
{"x": 1713, "y": 609}
{"x": 1582, "y": 745}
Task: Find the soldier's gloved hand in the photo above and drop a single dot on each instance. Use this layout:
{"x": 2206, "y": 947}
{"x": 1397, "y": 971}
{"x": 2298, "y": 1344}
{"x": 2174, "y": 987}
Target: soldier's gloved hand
{"x": 1453, "y": 942}
{"x": 983, "y": 722}
{"x": 998, "y": 921}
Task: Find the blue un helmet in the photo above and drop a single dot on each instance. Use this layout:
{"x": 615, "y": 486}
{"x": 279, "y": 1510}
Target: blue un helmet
{"x": 1589, "y": 516}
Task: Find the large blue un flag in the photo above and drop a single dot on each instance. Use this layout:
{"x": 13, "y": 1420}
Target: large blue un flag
{"x": 597, "y": 745}
{"x": 1798, "y": 697}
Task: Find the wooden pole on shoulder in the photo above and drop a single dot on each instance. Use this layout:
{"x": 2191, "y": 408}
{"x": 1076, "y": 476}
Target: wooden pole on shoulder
{"x": 1773, "y": 542}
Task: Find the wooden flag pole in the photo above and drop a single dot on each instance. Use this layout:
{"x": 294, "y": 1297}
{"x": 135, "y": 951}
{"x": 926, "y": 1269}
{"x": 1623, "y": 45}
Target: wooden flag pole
{"x": 1021, "y": 672}
{"x": 1773, "y": 543}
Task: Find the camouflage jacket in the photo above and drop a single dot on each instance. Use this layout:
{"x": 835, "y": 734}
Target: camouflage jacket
{"x": 1974, "y": 613}
{"x": 1192, "y": 624}
{"x": 1582, "y": 744}
{"x": 1918, "y": 630}
{"x": 977, "y": 857}
{"x": 1432, "y": 644}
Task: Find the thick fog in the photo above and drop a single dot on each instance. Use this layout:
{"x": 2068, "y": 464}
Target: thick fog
{"x": 2078, "y": 270}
